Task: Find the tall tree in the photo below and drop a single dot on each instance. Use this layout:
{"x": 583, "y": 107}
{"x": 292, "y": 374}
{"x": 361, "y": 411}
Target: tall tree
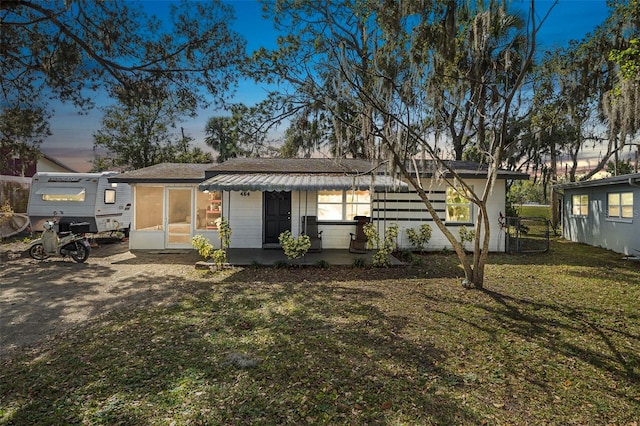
{"x": 21, "y": 133}
{"x": 221, "y": 137}
{"x": 245, "y": 133}
{"x": 140, "y": 131}
{"x": 589, "y": 81}
{"x": 65, "y": 49}
{"x": 308, "y": 131}
{"x": 378, "y": 57}
{"x": 621, "y": 102}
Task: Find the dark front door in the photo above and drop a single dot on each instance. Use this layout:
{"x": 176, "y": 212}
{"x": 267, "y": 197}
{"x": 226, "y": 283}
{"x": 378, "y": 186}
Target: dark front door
{"x": 277, "y": 215}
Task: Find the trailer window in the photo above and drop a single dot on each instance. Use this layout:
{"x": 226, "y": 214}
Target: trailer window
{"x": 109, "y": 196}
{"x": 62, "y": 194}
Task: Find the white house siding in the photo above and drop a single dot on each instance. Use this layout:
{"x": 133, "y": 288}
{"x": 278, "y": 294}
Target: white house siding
{"x": 619, "y": 235}
{"x": 408, "y": 211}
{"x": 244, "y": 210}
{"x": 244, "y": 213}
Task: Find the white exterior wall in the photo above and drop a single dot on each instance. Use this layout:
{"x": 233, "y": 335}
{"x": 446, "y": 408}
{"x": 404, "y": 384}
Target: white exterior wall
{"x": 146, "y": 240}
{"x": 244, "y": 210}
{"x": 244, "y": 213}
{"x": 408, "y": 211}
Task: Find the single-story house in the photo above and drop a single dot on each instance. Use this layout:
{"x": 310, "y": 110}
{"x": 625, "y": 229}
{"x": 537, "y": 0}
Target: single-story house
{"x": 262, "y": 197}
{"x": 603, "y": 213}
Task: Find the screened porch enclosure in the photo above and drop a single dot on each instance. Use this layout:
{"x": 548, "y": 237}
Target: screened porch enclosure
{"x": 169, "y": 216}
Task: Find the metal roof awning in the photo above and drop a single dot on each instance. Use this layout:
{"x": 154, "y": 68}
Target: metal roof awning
{"x": 60, "y": 191}
{"x": 300, "y": 182}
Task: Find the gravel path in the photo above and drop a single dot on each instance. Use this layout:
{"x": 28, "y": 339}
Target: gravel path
{"x": 40, "y": 299}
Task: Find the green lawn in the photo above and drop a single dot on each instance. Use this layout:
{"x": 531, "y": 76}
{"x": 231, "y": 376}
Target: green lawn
{"x": 554, "y": 339}
{"x": 530, "y": 210}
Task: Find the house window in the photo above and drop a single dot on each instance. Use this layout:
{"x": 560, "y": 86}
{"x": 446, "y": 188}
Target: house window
{"x": 580, "y": 205}
{"x": 149, "y": 205}
{"x": 343, "y": 205}
{"x": 620, "y": 205}
{"x": 109, "y": 196}
{"x": 209, "y": 209}
{"x": 459, "y": 208}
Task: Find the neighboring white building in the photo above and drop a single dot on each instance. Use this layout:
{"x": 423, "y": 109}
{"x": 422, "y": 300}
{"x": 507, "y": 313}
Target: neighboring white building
{"x": 262, "y": 197}
{"x": 15, "y": 178}
{"x": 603, "y": 213}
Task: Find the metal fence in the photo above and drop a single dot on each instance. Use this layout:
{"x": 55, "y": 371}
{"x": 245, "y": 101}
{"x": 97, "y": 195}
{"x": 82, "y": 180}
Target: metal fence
{"x": 527, "y": 234}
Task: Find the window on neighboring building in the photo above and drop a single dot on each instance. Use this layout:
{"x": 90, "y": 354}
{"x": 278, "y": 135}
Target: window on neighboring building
{"x": 343, "y": 205}
{"x": 109, "y": 196}
{"x": 580, "y": 205}
{"x": 459, "y": 208}
{"x": 620, "y": 205}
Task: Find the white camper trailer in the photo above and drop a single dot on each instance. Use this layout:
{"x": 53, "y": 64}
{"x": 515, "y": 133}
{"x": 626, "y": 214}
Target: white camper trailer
{"x": 80, "y": 197}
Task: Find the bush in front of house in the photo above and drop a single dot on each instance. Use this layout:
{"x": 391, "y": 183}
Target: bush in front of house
{"x": 206, "y": 250}
{"x": 388, "y": 245}
{"x": 294, "y": 248}
{"x": 202, "y": 244}
{"x": 466, "y": 235}
{"x": 373, "y": 238}
{"x": 419, "y": 238}
{"x": 224, "y": 231}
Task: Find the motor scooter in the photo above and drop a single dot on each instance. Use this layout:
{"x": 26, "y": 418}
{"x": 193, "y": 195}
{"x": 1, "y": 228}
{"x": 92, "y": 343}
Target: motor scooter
{"x": 68, "y": 243}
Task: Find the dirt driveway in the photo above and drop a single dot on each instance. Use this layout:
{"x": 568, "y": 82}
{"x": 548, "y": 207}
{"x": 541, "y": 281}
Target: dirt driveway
{"x": 41, "y": 299}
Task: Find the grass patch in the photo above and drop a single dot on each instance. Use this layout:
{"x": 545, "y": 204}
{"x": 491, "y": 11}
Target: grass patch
{"x": 552, "y": 340}
{"x": 529, "y": 210}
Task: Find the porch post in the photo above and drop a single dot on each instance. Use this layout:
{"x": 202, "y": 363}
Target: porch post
{"x": 306, "y": 209}
{"x": 299, "y": 212}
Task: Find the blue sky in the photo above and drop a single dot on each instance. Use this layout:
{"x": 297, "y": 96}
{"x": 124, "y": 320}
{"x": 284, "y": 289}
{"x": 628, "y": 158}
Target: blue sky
{"x": 72, "y": 141}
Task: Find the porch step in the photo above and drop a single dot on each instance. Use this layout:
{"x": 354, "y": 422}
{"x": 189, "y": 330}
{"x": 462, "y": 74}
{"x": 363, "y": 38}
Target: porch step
{"x": 271, "y": 246}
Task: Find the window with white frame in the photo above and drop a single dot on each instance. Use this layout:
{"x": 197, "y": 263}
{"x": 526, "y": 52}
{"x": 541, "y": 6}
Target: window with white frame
{"x": 620, "y": 205}
{"x": 580, "y": 205}
{"x": 459, "y": 207}
{"x": 109, "y": 196}
{"x": 343, "y": 205}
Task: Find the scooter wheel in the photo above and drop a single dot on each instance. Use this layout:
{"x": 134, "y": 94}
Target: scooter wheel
{"x": 37, "y": 252}
{"x": 81, "y": 254}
